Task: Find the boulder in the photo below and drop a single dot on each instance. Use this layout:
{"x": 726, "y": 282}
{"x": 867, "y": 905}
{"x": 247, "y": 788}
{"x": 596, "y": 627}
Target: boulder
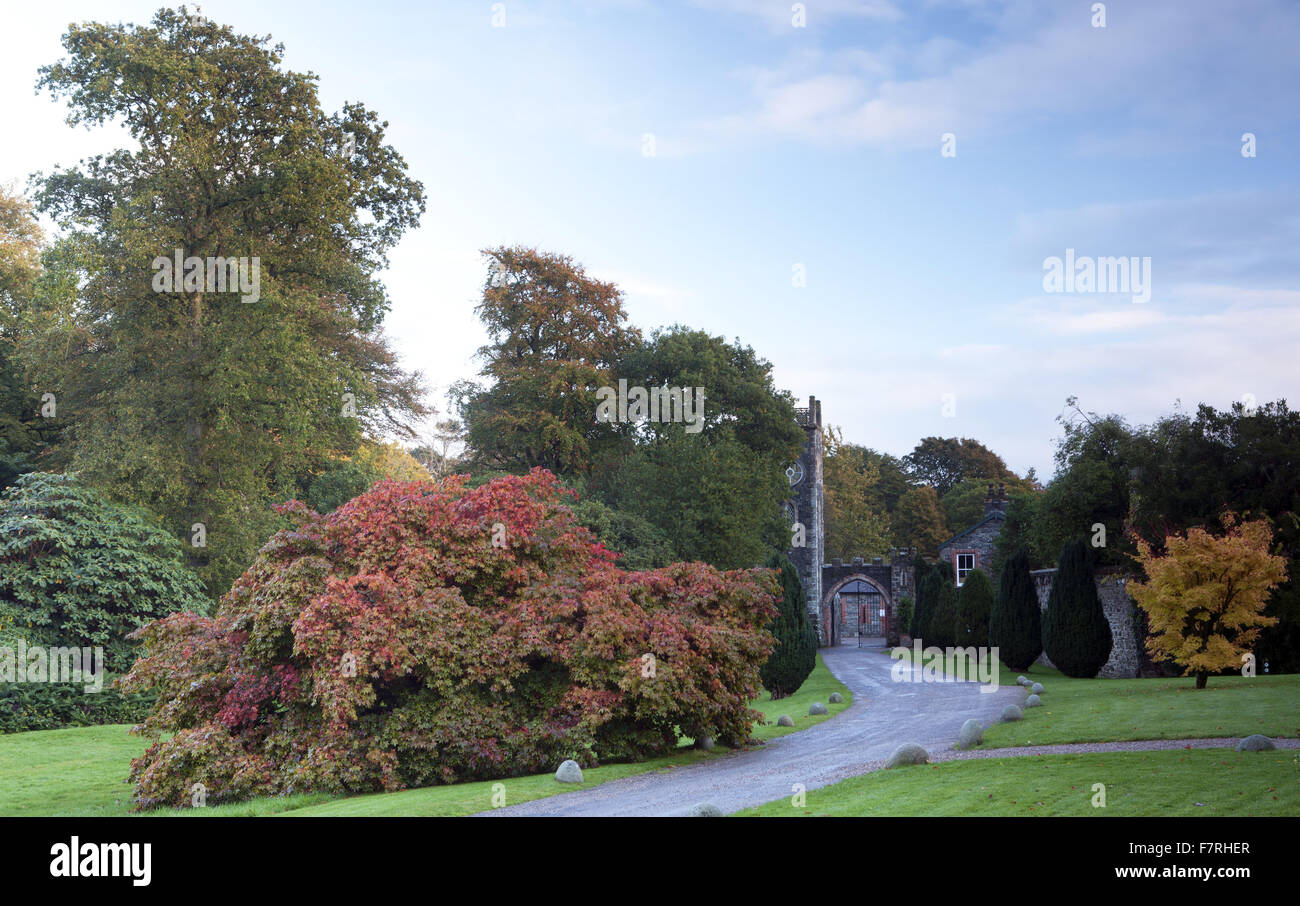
{"x": 1012, "y": 713}
{"x": 972, "y": 734}
{"x": 908, "y": 753}
{"x": 1033, "y": 701}
{"x": 705, "y": 742}
{"x": 1022, "y": 680}
{"x": 817, "y": 708}
{"x": 1256, "y": 743}
{"x": 1036, "y": 688}
{"x": 785, "y": 720}
{"x": 569, "y": 772}
{"x": 836, "y": 698}
{"x": 705, "y": 810}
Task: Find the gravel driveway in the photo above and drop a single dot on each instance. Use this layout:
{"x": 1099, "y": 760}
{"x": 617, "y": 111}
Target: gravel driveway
{"x": 883, "y": 715}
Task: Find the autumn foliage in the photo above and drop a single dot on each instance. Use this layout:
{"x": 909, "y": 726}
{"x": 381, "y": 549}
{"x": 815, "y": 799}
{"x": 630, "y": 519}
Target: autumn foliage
{"x": 391, "y": 643}
{"x": 1205, "y": 595}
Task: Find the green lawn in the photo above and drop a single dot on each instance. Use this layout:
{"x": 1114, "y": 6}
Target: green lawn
{"x": 80, "y": 771}
{"x": 817, "y": 688}
{"x": 1102, "y": 710}
{"x": 1191, "y": 783}
{"x": 468, "y": 798}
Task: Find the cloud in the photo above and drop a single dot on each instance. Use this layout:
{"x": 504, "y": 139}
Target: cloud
{"x": 1236, "y": 238}
{"x": 1137, "y": 360}
{"x": 1041, "y": 66}
{"x": 778, "y": 15}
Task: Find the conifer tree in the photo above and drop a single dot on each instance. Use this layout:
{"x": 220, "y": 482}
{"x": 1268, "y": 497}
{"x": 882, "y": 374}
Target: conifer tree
{"x": 1015, "y": 627}
{"x": 974, "y": 607}
{"x": 943, "y": 611}
{"x": 924, "y": 590}
{"x": 795, "y": 654}
{"x": 1076, "y": 634}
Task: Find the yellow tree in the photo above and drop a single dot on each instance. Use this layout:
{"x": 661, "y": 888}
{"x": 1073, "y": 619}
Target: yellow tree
{"x": 1205, "y": 595}
{"x": 918, "y": 521}
{"x": 389, "y": 460}
{"x": 856, "y": 526}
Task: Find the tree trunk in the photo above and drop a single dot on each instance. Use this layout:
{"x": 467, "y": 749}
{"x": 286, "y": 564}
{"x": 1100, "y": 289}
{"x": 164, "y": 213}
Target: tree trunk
{"x": 1202, "y": 677}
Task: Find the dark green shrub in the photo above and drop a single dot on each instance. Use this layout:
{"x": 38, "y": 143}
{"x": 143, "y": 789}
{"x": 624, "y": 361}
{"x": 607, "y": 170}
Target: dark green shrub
{"x": 637, "y": 542}
{"x": 903, "y": 613}
{"x": 1076, "y": 634}
{"x": 795, "y": 654}
{"x": 943, "y": 615}
{"x": 925, "y": 592}
{"x": 974, "y": 607}
{"x": 79, "y": 570}
{"x": 52, "y": 706}
{"x": 1015, "y": 627}
{"x": 339, "y": 484}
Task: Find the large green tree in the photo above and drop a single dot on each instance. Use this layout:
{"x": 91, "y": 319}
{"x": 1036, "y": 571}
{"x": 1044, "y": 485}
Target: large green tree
{"x": 716, "y": 492}
{"x": 207, "y": 404}
{"x": 716, "y": 500}
{"x": 944, "y": 462}
{"x": 1095, "y": 458}
{"x": 555, "y": 337}
{"x": 29, "y": 425}
{"x": 1169, "y": 477}
{"x": 963, "y": 505}
{"x": 1189, "y": 468}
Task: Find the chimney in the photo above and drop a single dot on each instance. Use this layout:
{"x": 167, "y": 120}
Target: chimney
{"x": 995, "y": 500}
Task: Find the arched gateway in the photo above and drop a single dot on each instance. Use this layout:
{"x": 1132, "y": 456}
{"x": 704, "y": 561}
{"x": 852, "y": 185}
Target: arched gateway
{"x": 845, "y": 601}
{"x": 856, "y": 607}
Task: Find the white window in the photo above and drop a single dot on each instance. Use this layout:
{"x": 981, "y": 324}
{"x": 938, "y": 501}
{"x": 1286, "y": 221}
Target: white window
{"x": 965, "y": 563}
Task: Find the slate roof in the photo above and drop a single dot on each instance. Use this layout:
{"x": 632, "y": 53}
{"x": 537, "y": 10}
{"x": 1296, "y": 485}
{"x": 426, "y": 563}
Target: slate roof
{"x": 991, "y": 514}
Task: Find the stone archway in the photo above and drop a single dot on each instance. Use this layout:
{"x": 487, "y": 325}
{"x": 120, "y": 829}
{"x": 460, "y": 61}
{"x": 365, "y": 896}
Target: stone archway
{"x": 844, "y": 617}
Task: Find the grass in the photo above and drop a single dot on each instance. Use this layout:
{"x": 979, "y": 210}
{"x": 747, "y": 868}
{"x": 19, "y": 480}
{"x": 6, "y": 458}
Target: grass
{"x": 467, "y": 798}
{"x": 1105, "y": 710}
{"x": 1192, "y": 783}
{"x": 81, "y": 771}
{"x": 78, "y": 771}
{"x": 817, "y": 688}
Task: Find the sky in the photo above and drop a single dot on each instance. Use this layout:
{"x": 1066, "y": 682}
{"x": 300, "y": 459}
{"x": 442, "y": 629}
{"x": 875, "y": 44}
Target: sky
{"x": 868, "y": 192}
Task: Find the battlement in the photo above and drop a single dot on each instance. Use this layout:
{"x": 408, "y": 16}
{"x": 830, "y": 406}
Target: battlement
{"x": 810, "y": 417}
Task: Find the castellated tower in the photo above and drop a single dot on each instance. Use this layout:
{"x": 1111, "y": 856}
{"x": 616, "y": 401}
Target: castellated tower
{"x": 805, "y": 509}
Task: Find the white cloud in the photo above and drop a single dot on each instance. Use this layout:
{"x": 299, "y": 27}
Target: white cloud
{"x": 1040, "y": 66}
{"x": 778, "y": 15}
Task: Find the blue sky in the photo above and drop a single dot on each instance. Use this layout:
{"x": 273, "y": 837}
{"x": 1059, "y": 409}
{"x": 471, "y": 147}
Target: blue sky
{"x": 777, "y": 146}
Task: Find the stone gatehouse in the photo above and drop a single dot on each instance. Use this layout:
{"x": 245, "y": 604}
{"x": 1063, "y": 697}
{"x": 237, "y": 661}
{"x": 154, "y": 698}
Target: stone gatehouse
{"x": 859, "y": 599}
{"x": 845, "y": 600}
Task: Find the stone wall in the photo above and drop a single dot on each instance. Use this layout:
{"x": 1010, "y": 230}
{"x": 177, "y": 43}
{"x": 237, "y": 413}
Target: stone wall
{"x": 1118, "y": 607}
{"x": 902, "y": 576}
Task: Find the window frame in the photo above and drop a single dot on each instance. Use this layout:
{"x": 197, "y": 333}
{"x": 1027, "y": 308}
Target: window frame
{"x": 958, "y": 575}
